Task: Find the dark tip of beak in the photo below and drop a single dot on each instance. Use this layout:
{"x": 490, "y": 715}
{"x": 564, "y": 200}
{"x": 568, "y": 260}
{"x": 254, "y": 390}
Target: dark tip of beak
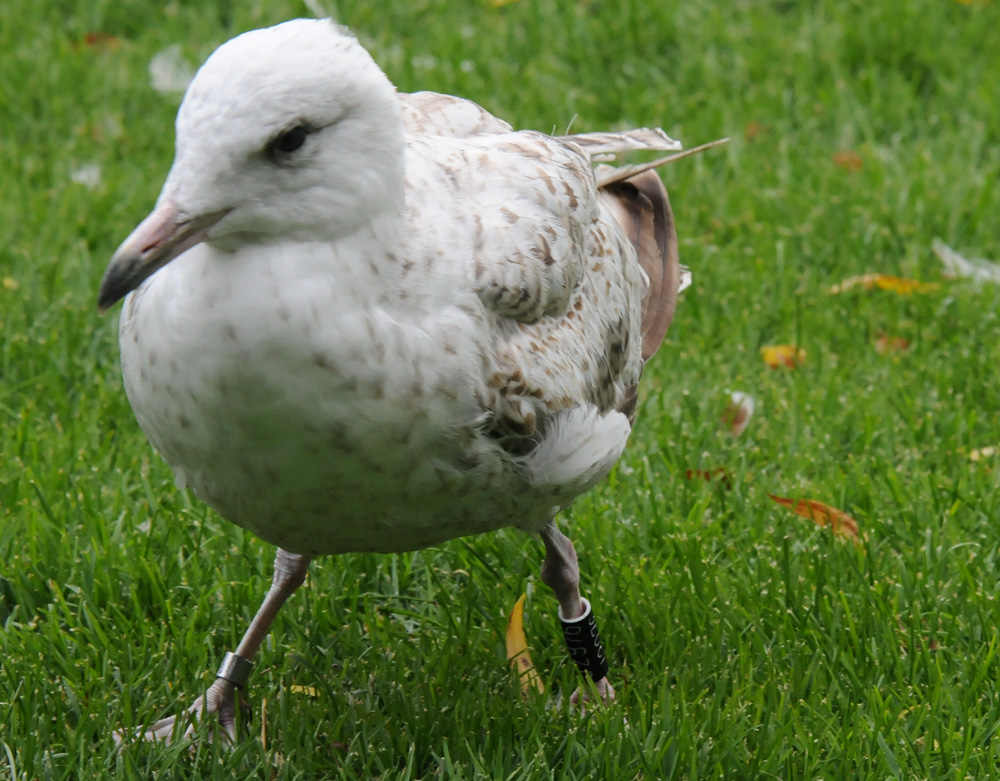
{"x": 115, "y": 285}
{"x": 158, "y": 239}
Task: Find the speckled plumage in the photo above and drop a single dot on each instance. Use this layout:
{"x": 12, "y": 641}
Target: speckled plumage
{"x": 419, "y": 326}
{"x": 364, "y": 321}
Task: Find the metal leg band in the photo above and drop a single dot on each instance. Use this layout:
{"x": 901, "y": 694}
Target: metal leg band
{"x": 584, "y": 643}
{"x": 235, "y": 669}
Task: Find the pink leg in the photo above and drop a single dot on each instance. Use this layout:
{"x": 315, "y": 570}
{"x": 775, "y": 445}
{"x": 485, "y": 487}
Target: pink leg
{"x": 561, "y": 573}
{"x": 221, "y": 698}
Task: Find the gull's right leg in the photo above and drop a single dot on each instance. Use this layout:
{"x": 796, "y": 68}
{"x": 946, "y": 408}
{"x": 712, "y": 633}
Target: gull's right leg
{"x": 220, "y": 701}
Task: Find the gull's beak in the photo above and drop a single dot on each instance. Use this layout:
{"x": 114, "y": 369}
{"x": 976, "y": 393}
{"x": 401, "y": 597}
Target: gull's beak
{"x": 160, "y": 238}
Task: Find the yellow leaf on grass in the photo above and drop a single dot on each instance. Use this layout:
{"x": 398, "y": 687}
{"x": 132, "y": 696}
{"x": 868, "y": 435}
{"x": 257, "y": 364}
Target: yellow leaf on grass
{"x": 263, "y": 722}
{"x": 310, "y": 691}
{"x": 821, "y": 514}
{"x": 983, "y": 453}
{"x": 10, "y": 283}
{"x": 898, "y": 285}
{"x": 517, "y": 650}
{"x": 787, "y": 355}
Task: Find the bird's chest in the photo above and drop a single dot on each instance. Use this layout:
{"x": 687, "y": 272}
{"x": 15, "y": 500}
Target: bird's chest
{"x": 321, "y": 429}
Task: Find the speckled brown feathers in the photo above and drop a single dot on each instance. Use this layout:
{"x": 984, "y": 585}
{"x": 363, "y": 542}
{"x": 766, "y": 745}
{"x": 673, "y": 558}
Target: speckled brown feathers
{"x": 362, "y": 321}
{"x": 574, "y": 315}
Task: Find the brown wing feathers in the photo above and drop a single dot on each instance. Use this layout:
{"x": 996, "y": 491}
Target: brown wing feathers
{"x": 642, "y": 208}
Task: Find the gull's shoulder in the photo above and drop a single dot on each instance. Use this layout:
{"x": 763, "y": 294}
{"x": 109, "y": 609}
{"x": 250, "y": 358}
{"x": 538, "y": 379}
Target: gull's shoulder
{"x": 432, "y": 113}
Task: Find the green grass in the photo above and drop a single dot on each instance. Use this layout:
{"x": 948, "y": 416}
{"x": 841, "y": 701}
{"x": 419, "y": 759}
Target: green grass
{"x": 747, "y": 642}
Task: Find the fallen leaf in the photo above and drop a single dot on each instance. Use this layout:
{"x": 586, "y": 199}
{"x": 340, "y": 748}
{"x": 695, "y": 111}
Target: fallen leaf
{"x": 981, "y": 454}
{"x": 96, "y": 40}
{"x": 848, "y": 160}
{"x": 821, "y": 514}
{"x": 955, "y": 265}
{"x": 720, "y": 474}
{"x": 787, "y": 355}
{"x": 886, "y": 344}
{"x": 310, "y": 691}
{"x": 888, "y": 282}
{"x": 517, "y": 650}
{"x": 739, "y": 409}
{"x": 263, "y": 722}
{"x": 753, "y": 129}
{"x": 9, "y": 283}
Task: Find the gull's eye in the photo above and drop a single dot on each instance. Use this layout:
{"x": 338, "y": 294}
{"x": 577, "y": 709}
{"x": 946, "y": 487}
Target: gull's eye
{"x": 287, "y": 142}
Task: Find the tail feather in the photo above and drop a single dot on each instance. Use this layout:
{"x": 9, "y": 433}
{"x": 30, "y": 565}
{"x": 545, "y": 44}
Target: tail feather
{"x": 608, "y": 175}
{"x": 600, "y": 144}
{"x": 642, "y": 208}
{"x": 640, "y": 204}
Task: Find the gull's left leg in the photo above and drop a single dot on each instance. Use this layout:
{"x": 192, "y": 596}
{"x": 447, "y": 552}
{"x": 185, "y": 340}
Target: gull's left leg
{"x": 561, "y": 573}
{"x": 222, "y": 700}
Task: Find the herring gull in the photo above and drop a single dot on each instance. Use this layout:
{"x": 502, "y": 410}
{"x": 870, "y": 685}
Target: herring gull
{"x": 358, "y": 320}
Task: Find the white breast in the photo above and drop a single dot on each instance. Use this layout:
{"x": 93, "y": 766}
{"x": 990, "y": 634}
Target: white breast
{"x": 299, "y": 410}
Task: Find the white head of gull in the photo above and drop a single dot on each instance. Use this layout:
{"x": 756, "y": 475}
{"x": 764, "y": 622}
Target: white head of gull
{"x": 358, "y": 320}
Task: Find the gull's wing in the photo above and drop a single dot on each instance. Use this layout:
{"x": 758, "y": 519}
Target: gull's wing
{"x": 641, "y": 206}
{"x": 579, "y": 282}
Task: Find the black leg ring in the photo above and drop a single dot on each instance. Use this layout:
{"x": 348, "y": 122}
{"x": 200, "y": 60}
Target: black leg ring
{"x": 584, "y": 643}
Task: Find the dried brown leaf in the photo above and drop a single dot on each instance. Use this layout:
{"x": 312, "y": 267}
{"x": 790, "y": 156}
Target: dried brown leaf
{"x": 821, "y": 514}
{"x": 885, "y": 344}
{"x": 719, "y": 475}
{"x": 97, "y": 40}
{"x": 753, "y": 129}
{"x": 848, "y": 160}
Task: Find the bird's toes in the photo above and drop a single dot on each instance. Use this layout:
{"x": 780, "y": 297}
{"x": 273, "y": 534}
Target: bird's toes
{"x": 162, "y": 730}
{"x": 234, "y": 716}
{"x": 598, "y": 692}
{"x": 221, "y": 707}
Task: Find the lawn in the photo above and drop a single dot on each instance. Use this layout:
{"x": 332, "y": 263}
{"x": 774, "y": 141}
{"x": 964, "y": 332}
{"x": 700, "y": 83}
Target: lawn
{"x": 745, "y": 641}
